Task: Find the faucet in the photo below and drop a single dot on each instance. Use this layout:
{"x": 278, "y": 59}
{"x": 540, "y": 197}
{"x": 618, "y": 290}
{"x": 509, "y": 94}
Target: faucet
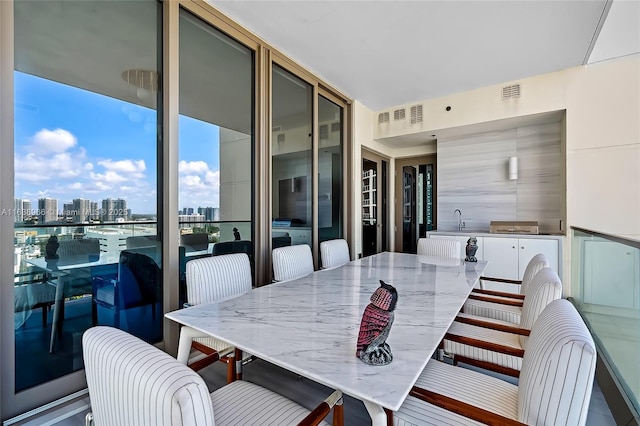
{"x": 460, "y": 222}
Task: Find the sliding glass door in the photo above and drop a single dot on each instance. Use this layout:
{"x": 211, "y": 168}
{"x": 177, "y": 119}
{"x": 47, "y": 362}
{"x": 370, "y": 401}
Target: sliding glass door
{"x": 86, "y": 126}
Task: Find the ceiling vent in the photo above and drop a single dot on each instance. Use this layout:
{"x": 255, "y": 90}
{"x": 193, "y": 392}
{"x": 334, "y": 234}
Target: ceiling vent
{"x": 416, "y": 114}
{"x": 399, "y": 114}
{"x": 509, "y": 92}
{"x": 336, "y": 126}
{"x": 323, "y": 131}
{"x": 383, "y": 117}
{"x": 276, "y": 129}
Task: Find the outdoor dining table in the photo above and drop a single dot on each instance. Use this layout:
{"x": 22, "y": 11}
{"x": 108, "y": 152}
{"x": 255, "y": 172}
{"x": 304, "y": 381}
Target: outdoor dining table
{"x": 310, "y": 325}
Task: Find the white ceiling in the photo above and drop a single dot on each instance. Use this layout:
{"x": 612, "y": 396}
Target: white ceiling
{"x": 389, "y": 53}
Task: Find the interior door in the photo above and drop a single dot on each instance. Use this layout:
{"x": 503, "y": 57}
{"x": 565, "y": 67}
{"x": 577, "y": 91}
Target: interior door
{"x": 374, "y": 204}
{"x": 409, "y": 213}
{"x": 415, "y": 203}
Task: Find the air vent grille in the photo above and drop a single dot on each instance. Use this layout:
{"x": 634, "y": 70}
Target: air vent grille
{"x": 276, "y": 129}
{"x": 323, "y": 131}
{"x": 383, "y": 117}
{"x": 512, "y": 91}
{"x": 416, "y": 114}
{"x": 335, "y": 127}
{"x": 399, "y": 114}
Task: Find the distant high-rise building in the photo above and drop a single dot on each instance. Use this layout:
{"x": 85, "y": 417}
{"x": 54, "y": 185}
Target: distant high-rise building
{"x": 187, "y": 210}
{"x": 67, "y": 211}
{"x": 47, "y": 210}
{"x": 82, "y": 209}
{"x": 114, "y": 209}
{"x": 95, "y": 213}
{"x": 22, "y": 210}
{"x": 26, "y": 209}
{"x": 208, "y": 213}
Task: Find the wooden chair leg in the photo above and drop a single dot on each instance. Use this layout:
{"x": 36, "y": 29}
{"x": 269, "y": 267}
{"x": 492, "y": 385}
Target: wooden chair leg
{"x": 338, "y": 414}
{"x": 389, "y": 417}
{"x": 231, "y": 368}
{"x": 238, "y": 364}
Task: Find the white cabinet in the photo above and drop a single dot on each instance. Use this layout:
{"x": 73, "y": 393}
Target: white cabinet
{"x": 463, "y": 243}
{"x": 502, "y": 254}
{"x": 508, "y": 256}
{"x": 300, "y": 236}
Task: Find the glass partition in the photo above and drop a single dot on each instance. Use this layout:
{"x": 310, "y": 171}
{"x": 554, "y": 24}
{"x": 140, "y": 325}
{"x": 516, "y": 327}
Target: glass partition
{"x": 292, "y": 159}
{"x": 330, "y": 176}
{"x": 86, "y": 178}
{"x": 606, "y": 289}
{"x": 216, "y": 141}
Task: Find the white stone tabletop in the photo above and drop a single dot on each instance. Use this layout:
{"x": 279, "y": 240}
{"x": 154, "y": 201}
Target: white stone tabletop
{"x": 310, "y": 325}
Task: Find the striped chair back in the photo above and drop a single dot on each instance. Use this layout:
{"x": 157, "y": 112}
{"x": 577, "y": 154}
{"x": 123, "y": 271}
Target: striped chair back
{"x": 558, "y": 368}
{"x": 217, "y": 277}
{"x": 439, "y": 247}
{"x": 82, "y": 250}
{"x": 544, "y": 289}
{"x": 292, "y": 262}
{"x": 536, "y": 263}
{"x": 134, "y": 383}
{"x": 334, "y": 253}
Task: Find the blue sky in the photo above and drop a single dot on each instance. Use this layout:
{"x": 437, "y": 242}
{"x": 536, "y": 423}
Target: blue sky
{"x": 71, "y": 143}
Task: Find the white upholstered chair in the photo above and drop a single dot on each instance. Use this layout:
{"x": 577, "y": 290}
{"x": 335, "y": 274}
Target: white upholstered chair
{"x": 499, "y": 345}
{"x": 134, "y": 383}
{"x": 501, "y": 305}
{"x": 334, "y": 253}
{"x": 439, "y": 247}
{"x": 292, "y": 262}
{"x": 554, "y": 387}
{"x": 210, "y": 279}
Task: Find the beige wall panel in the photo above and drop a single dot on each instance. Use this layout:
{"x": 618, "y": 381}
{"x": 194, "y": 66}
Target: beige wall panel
{"x": 603, "y": 188}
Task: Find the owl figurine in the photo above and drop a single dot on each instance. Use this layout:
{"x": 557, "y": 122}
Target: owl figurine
{"x": 471, "y": 249}
{"x": 375, "y": 326}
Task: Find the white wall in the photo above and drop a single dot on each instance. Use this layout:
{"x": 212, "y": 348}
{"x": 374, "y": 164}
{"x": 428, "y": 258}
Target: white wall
{"x": 602, "y": 140}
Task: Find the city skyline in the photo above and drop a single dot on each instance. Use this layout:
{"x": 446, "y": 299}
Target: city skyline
{"x": 71, "y": 143}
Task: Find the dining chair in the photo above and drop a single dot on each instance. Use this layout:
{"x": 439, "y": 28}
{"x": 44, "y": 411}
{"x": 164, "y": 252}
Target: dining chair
{"x": 195, "y": 242}
{"x": 498, "y": 345}
{"x": 292, "y": 262}
{"x": 501, "y": 305}
{"x": 439, "y": 247}
{"x": 334, "y": 253}
{"x": 131, "y": 382}
{"x": 555, "y": 383}
{"x": 132, "y": 300}
{"x": 210, "y": 279}
{"x": 75, "y": 281}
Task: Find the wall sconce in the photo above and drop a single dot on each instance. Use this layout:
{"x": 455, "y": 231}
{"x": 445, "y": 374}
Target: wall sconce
{"x": 513, "y": 168}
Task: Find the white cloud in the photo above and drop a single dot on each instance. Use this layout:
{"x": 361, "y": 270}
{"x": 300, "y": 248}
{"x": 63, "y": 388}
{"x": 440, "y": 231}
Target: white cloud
{"x": 48, "y": 141}
{"x": 125, "y": 166}
{"x": 193, "y": 167}
{"x": 109, "y": 176}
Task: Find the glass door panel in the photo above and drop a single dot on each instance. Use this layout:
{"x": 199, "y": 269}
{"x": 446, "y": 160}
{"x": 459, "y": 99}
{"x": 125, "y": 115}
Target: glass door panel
{"x": 330, "y": 175}
{"x": 216, "y": 144}
{"x": 86, "y": 177}
{"x": 292, "y": 159}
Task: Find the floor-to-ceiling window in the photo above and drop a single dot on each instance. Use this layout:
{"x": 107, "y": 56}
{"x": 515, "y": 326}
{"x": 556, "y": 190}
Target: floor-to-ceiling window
{"x": 330, "y": 170}
{"x": 292, "y": 159}
{"x": 85, "y": 156}
{"x": 96, "y": 194}
{"x": 216, "y": 141}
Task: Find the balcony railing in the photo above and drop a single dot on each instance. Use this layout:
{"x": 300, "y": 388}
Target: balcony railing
{"x": 605, "y": 288}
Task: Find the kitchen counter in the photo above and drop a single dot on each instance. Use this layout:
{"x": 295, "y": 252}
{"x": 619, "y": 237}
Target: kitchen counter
{"x": 486, "y": 233}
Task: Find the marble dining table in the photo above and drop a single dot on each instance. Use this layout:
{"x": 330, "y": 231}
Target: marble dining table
{"x": 310, "y": 325}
